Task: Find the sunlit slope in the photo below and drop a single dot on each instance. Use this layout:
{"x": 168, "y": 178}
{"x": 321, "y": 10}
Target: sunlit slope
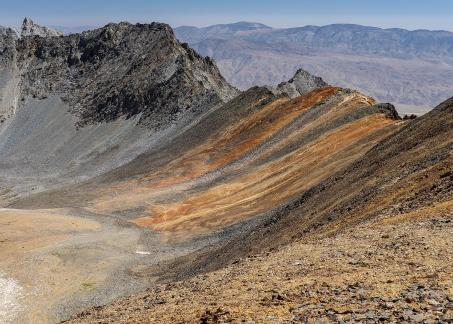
{"x": 243, "y": 160}
{"x": 376, "y": 232}
{"x": 406, "y": 176}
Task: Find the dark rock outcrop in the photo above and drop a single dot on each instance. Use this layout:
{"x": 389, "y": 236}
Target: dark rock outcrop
{"x": 122, "y": 70}
{"x": 301, "y": 83}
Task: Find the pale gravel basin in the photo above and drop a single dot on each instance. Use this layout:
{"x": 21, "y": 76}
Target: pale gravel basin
{"x": 10, "y": 295}
{"x": 55, "y": 263}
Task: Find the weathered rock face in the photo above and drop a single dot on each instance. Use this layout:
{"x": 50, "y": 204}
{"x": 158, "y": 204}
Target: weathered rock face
{"x": 29, "y": 28}
{"x": 102, "y": 96}
{"x": 301, "y": 83}
{"x": 8, "y": 39}
{"x": 8, "y": 82}
{"x": 122, "y": 70}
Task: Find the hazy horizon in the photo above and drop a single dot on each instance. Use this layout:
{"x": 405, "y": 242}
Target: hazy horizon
{"x": 411, "y": 15}
{"x": 65, "y": 28}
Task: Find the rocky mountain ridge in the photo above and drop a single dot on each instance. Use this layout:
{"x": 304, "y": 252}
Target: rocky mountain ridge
{"x": 128, "y": 83}
{"x": 128, "y": 163}
{"x": 118, "y": 53}
{"x": 371, "y": 242}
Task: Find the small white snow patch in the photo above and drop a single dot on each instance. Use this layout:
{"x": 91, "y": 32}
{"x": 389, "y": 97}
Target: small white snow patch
{"x": 10, "y": 292}
{"x": 143, "y": 252}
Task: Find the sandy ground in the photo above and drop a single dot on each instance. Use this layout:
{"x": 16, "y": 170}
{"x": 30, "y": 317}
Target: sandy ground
{"x": 33, "y": 235}
{"x": 10, "y": 294}
{"x": 53, "y": 263}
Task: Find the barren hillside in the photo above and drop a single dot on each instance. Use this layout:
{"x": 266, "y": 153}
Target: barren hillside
{"x": 370, "y": 243}
{"x": 128, "y": 163}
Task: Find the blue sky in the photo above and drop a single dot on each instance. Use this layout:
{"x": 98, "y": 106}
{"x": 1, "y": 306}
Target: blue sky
{"x": 411, "y": 14}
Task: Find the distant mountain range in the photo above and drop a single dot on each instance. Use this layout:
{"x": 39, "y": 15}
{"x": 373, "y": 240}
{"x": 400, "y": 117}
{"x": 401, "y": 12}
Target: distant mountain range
{"x": 410, "y": 68}
{"x": 355, "y": 39}
{"x": 223, "y": 31}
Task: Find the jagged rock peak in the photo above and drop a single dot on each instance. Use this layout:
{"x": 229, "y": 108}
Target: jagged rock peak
{"x": 301, "y": 83}
{"x": 29, "y": 28}
{"x": 122, "y": 70}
